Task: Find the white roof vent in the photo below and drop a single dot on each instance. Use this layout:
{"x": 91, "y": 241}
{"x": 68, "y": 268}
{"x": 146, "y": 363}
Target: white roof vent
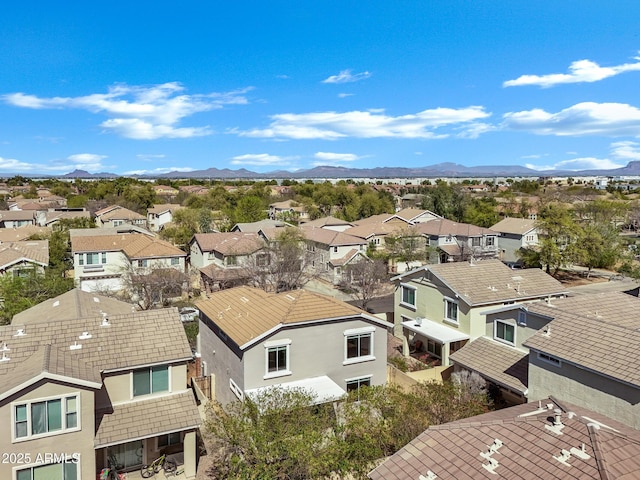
{"x": 4, "y": 357}
{"x": 491, "y": 467}
{"x": 96, "y": 299}
{"x": 4, "y": 347}
{"x": 75, "y": 346}
{"x": 429, "y": 476}
{"x": 565, "y": 455}
{"x": 20, "y": 333}
{"x": 85, "y": 336}
{"x": 580, "y": 452}
{"x": 56, "y": 303}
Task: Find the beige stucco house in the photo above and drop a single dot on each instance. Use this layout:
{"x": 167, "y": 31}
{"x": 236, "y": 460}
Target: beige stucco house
{"x": 515, "y": 233}
{"x": 22, "y": 258}
{"x": 443, "y": 305}
{"x": 83, "y": 385}
{"x": 250, "y": 340}
{"x": 115, "y": 216}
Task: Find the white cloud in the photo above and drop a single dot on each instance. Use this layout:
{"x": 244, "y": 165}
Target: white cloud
{"x": 260, "y": 159}
{"x": 372, "y": 124}
{"x": 82, "y": 161}
{"x": 149, "y": 156}
{"x": 625, "y": 150}
{"x": 345, "y": 76}
{"x": 345, "y": 95}
{"x": 157, "y": 171}
{"x": 11, "y": 165}
{"x": 333, "y": 157}
{"x": 579, "y": 71}
{"x": 587, "y": 118}
{"x": 585, "y": 163}
{"x": 138, "y": 112}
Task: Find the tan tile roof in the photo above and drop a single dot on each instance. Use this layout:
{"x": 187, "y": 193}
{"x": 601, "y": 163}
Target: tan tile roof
{"x": 491, "y": 281}
{"x": 130, "y": 340}
{"x": 409, "y": 214}
{"x": 528, "y": 449}
{"x": 518, "y": 226}
{"x": 167, "y": 207}
{"x": 13, "y": 215}
{"x": 22, "y": 233}
{"x": 33, "y": 250}
{"x": 443, "y": 227}
{"x": 119, "y": 213}
{"x": 326, "y": 221}
{"x": 346, "y": 258}
{"x": 230, "y": 243}
{"x": 147, "y": 418}
{"x": 575, "y": 338}
{"x": 499, "y": 363}
{"x": 56, "y": 216}
{"x": 133, "y": 245}
{"x": 369, "y": 229}
{"x": 245, "y": 313}
{"x": 74, "y": 304}
{"x": 259, "y": 225}
{"x": 217, "y": 273}
{"x": 331, "y": 237}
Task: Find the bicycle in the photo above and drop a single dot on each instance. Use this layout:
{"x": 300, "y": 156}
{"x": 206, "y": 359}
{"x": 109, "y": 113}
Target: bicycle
{"x": 167, "y": 464}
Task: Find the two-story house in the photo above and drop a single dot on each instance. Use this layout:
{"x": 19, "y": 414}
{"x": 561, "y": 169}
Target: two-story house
{"x": 442, "y": 305}
{"x": 52, "y": 217}
{"x": 333, "y": 251}
{"x": 115, "y": 216}
{"x": 515, "y": 233}
{"x": 588, "y": 354}
{"x": 23, "y": 233}
{"x": 288, "y": 210}
{"x": 80, "y": 393}
{"x": 251, "y": 340}
{"x": 22, "y": 258}
{"x": 458, "y": 242}
{"x": 329, "y": 223}
{"x": 17, "y": 218}
{"x": 159, "y": 215}
{"x": 226, "y": 259}
{"x": 100, "y": 261}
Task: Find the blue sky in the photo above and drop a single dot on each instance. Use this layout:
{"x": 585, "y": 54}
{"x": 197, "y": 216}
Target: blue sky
{"x": 152, "y": 87}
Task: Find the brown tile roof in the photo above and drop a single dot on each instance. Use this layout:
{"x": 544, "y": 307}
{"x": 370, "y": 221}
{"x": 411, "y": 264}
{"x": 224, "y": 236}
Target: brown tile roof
{"x": 245, "y": 313}
{"x": 216, "y": 273}
{"x": 369, "y": 229}
{"x": 51, "y": 217}
{"x": 146, "y": 418}
{"x": 525, "y": 447}
{"x": 230, "y": 243}
{"x": 33, "y": 250}
{"x": 331, "y": 237}
{"x": 499, "y": 363}
{"x": 337, "y": 262}
{"x": 326, "y": 221}
{"x": 410, "y": 214}
{"x": 130, "y": 340}
{"x": 518, "y": 226}
{"x": 491, "y": 281}
{"x": 133, "y": 245}
{"x": 259, "y": 225}
{"x": 13, "y": 215}
{"x": 443, "y": 227}
{"x": 574, "y": 337}
{"x": 74, "y": 304}
{"x": 22, "y": 233}
{"x": 120, "y": 213}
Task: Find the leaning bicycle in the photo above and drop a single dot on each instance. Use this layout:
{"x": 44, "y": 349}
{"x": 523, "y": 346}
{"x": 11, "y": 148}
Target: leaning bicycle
{"x": 162, "y": 462}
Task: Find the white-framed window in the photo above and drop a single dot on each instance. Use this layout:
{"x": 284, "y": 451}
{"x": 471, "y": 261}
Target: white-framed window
{"x": 549, "y": 359}
{"x": 522, "y": 318}
{"x": 475, "y": 241}
{"x": 408, "y": 295}
{"x": 117, "y": 223}
{"x": 529, "y": 238}
{"x": 231, "y": 261}
{"x": 504, "y": 331}
{"x": 358, "y": 345}
{"x": 354, "y": 384}
{"x": 47, "y": 416}
{"x": 175, "y": 261}
{"x": 168, "y": 439}
{"x": 277, "y": 358}
{"x": 143, "y": 263}
{"x": 376, "y": 241}
{"x": 145, "y": 381}
{"x": 65, "y": 470}
{"x": 451, "y": 310}
{"x": 490, "y": 241}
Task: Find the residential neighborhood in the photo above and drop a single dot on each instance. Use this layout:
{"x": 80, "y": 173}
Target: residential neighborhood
{"x": 160, "y": 322}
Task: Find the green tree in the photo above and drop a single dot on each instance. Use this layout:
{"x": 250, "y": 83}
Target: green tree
{"x": 481, "y": 212}
{"x": 559, "y": 246}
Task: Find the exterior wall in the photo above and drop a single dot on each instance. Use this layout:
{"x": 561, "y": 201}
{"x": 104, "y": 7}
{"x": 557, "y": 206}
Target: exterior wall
{"x": 509, "y": 245}
{"x": 23, "y": 265}
{"x": 197, "y": 257}
{"x": 522, "y": 332}
{"x": 78, "y": 442}
{"x": 310, "y": 358}
{"x": 584, "y": 388}
{"x": 221, "y": 362}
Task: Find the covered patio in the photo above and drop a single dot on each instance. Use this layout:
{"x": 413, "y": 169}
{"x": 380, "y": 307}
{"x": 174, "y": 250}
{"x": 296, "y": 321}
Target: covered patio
{"x": 436, "y": 339}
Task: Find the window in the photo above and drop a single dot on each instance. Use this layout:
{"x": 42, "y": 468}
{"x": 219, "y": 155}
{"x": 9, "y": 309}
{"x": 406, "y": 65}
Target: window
{"x": 408, "y": 295}
{"x": 549, "y": 359}
{"x": 277, "y": 358}
{"x": 232, "y": 261}
{"x": 434, "y": 348}
{"x": 335, "y": 249}
{"x": 93, "y": 258}
{"x": 151, "y": 380}
{"x": 43, "y": 417}
{"x": 81, "y": 259}
{"x": 505, "y": 332}
{"x": 522, "y": 318}
{"x": 356, "y": 383}
{"x": 54, "y": 471}
{"x": 175, "y": 261}
{"x": 117, "y": 223}
{"x": 142, "y": 263}
{"x": 490, "y": 242}
{"x": 262, "y": 259}
{"x": 359, "y": 345}
{"x": 529, "y": 238}
{"x": 169, "y": 439}
{"x": 451, "y": 310}
{"x": 475, "y": 242}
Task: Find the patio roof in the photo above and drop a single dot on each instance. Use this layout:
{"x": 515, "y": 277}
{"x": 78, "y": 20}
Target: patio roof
{"x": 435, "y": 331}
{"x": 325, "y": 389}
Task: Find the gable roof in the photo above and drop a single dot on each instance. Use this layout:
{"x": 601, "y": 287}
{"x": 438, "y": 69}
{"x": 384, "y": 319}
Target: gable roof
{"x": 16, "y": 215}
{"x": 573, "y": 336}
{"x": 523, "y": 447}
{"x": 166, "y": 207}
{"x": 485, "y": 282}
{"x": 516, "y": 226}
{"x": 247, "y": 314}
{"x": 22, "y": 233}
{"x": 35, "y": 251}
{"x": 74, "y": 304}
{"x": 326, "y": 222}
{"x": 229, "y": 243}
{"x": 443, "y": 226}
{"x": 413, "y": 214}
{"x": 331, "y": 237}
{"x": 116, "y": 213}
{"x": 129, "y": 340}
{"x": 259, "y": 225}
{"x": 132, "y": 245}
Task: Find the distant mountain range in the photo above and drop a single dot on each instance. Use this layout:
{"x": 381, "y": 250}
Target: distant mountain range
{"x": 450, "y": 170}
